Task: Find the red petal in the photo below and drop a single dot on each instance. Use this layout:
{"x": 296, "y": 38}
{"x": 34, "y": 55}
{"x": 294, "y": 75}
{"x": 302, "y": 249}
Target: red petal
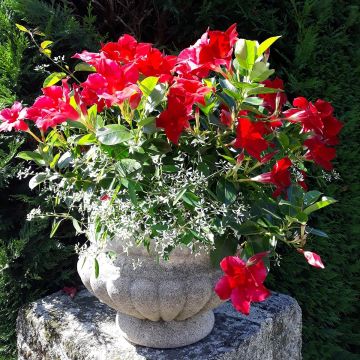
{"x": 258, "y": 272}
{"x": 71, "y": 291}
{"x": 223, "y": 289}
{"x": 300, "y": 102}
{"x": 259, "y": 293}
{"x": 231, "y": 265}
{"x": 312, "y": 258}
{"x": 240, "y": 301}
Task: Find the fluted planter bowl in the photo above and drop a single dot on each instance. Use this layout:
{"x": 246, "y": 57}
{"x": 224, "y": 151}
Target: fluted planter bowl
{"x": 160, "y": 304}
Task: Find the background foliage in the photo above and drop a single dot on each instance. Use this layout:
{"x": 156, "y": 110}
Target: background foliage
{"x": 318, "y": 56}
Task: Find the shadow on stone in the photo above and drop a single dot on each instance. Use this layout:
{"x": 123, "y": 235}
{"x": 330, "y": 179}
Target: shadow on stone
{"x": 83, "y": 328}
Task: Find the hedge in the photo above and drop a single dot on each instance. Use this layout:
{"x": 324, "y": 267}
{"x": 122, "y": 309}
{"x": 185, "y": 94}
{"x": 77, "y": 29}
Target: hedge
{"x": 318, "y": 56}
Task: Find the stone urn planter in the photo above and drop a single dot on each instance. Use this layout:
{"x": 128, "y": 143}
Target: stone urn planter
{"x": 160, "y": 304}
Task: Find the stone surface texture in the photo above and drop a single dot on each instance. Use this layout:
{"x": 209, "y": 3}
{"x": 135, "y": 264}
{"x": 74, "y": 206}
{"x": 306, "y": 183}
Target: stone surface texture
{"x": 143, "y": 291}
{"x": 60, "y": 328}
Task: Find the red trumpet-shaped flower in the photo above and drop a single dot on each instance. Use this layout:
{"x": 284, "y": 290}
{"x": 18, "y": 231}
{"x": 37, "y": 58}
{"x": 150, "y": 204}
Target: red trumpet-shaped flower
{"x": 271, "y": 100}
{"x": 53, "y": 107}
{"x": 125, "y": 50}
{"x": 319, "y": 152}
{"x": 225, "y": 116}
{"x": 212, "y": 50}
{"x": 174, "y": 119}
{"x": 306, "y": 113}
{"x": 249, "y": 136}
{"x": 312, "y": 258}
{"x": 279, "y": 176}
{"x": 155, "y": 63}
{"x": 243, "y": 281}
{"x": 13, "y": 118}
{"x": 190, "y": 92}
{"x": 112, "y": 84}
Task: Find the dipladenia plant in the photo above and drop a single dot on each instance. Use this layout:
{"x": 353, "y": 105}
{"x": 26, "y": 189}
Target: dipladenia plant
{"x": 201, "y": 149}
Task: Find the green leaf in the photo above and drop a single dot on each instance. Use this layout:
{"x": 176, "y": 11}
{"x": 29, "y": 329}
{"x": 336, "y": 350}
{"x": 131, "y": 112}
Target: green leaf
{"x": 170, "y": 168}
{"x": 55, "y": 227}
{"x": 22, "y": 28}
{"x": 157, "y": 146}
{"x": 146, "y": 121}
{"x": 92, "y": 113}
{"x": 132, "y": 192}
{"x": 76, "y": 225}
{"x": 251, "y": 109}
{"x": 87, "y": 139}
{"x": 254, "y": 100}
{"x": 179, "y": 195}
{"x": 53, "y": 78}
{"x": 113, "y": 134}
{"x": 266, "y": 44}
{"x": 311, "y": 196}
{"x": 37, "y": 179}
{"x": 316, "y": 232}
{"x": 64, "y": 160}
{"x": 263, "y": 90}
{"x": 191, "y": 199}
{"x": 155, "y": 98}
{"x": 224, "y": 246}
{"x": 248, "y": 228}
{"x": 127, "y": 166}
{"x": 325, "y": 201}
{"x": 148, "y": 85}
{"x": 260, "y": 72}
{"x": 245, "y": 52}
{"x": 75, "y": 125}
{"x": 96, "y": 268}
{"x": 283, "y": 140}
{"x": 84, "y": 67}
{"x": 226, "y": 191}
{"x": 301, "y": 217}
{"x": 295, "y": 195}
{"x": 250, "y": 53}
{"x": 229, "y": 159}
{"x": 45, "y": 44}
{"x": 33, "y": 156}
{"x": 54, "y": 161}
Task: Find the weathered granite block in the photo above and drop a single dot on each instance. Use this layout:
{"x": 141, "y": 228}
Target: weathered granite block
{"x": 58, "y": 328}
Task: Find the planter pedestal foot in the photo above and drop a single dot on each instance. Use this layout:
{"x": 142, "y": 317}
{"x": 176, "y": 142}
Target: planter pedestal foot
{"x": 165, "y": 334}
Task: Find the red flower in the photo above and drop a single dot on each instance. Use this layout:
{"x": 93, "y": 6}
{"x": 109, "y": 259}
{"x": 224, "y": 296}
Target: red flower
{"x": 88, "y": 57}
{"x": 243, "y": 281}
{"x": 13, "y": 118}
{"x": 270, "y": 100}
{"x": 306, "y": 113}
{"x": 212, "y": 50}
{"x": 53, "y": 107}
{"x": 319, "y": 152}
{"x": 190, "y": 92}
{"x": 125, "y": 50}
{"x": 332, "y": 126}
{"x": 157, "y": 64}
{"x": 174, "y": 119}
{"x": 113, "y": 84}
{"x": 279, "y": 176}
{"x": 312, "y": 258}
{"x": 71, "y": 291}
{"x": 249, "y": 136}
{"x": 225, "y": 116}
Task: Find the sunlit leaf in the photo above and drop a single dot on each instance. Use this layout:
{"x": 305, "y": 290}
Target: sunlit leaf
{"x": 266, "y": 44}
{"x": 53, "y": 78}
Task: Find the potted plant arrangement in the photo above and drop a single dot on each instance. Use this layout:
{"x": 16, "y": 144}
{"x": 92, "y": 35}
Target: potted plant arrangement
{"x": 172, "y": 166}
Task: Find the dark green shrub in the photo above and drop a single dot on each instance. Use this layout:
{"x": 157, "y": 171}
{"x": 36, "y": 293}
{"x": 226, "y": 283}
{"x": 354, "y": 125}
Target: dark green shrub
{"x": 319, "y": 56}
{"x": 31, "y": 264}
